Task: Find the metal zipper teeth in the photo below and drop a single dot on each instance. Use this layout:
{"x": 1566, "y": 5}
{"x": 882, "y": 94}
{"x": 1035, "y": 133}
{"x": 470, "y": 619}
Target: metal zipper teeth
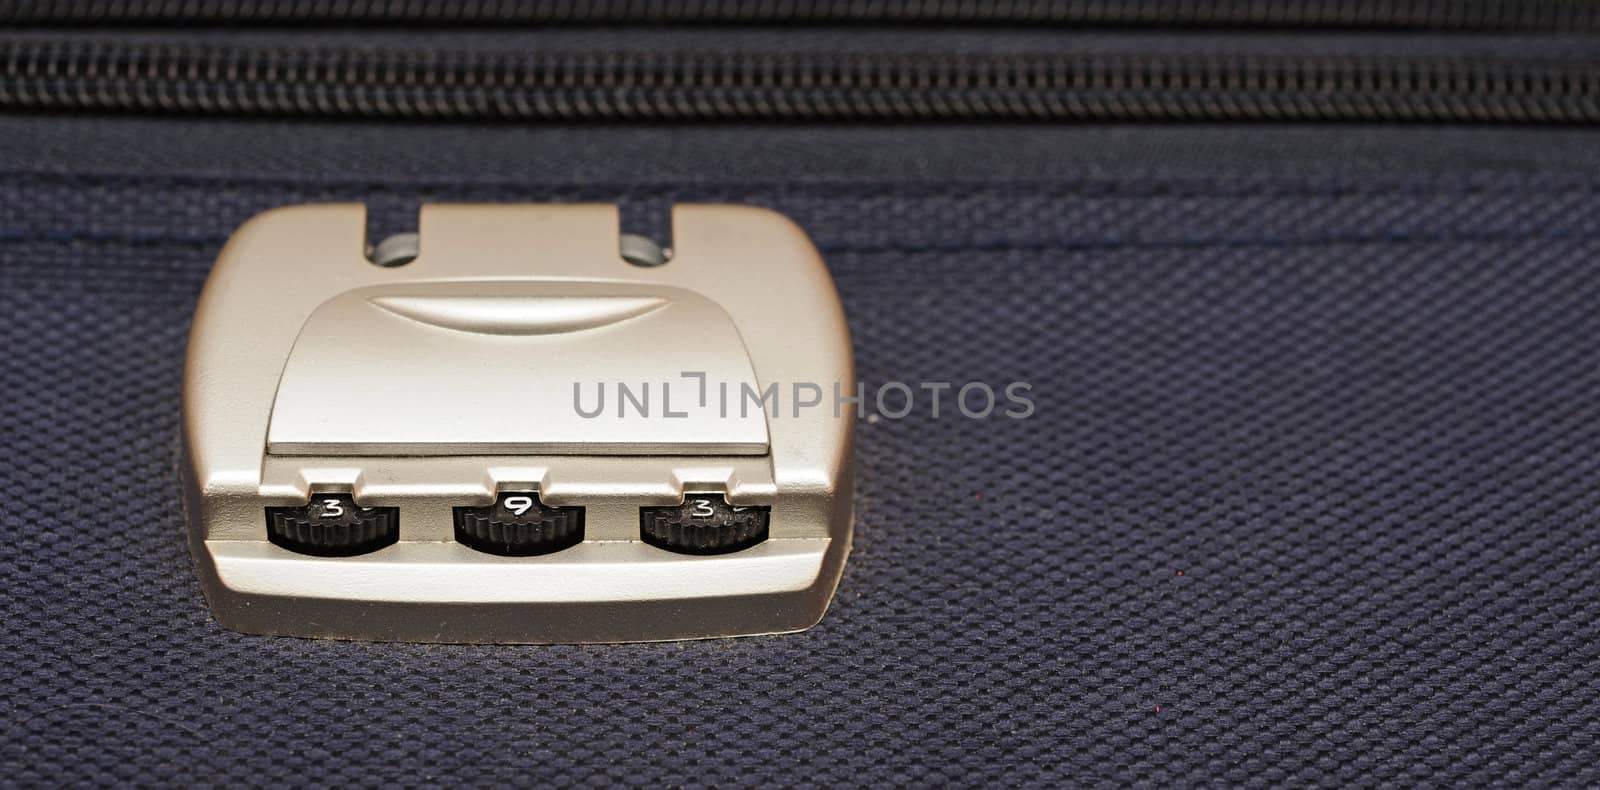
{"x": 576, "y": 86}
{"x": 1568, "y": 15}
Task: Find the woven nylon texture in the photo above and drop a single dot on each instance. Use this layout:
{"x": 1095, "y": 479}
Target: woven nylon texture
{"x": 1310, "y": 495}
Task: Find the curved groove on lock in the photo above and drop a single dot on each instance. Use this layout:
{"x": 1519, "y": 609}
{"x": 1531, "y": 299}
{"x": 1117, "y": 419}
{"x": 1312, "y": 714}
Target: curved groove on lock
{"x": 519, "y": 315}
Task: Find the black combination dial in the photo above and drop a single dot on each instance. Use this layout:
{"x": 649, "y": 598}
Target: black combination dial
{"x": 704, "y": 524}
{"x": 519, "y": 525}
{"x": 333, "y": 525}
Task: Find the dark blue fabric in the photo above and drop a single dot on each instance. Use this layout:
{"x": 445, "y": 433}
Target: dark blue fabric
{"x": 1310, "y": 496}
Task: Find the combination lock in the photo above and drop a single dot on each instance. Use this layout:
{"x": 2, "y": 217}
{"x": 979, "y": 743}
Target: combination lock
{"x": 518, "y": 424}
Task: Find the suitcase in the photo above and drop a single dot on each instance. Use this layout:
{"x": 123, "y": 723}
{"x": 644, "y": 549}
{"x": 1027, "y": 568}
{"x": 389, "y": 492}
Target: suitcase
{"x": 1303, "y": 291}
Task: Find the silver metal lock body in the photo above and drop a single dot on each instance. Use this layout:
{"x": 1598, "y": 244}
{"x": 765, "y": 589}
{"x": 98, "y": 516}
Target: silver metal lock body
{"x": 340, "y": 417}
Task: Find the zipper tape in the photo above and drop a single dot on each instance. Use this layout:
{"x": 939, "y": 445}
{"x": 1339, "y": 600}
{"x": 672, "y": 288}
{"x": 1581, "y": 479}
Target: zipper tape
{"x": 435, "y": 84}
{"x": 1501, "y": 15}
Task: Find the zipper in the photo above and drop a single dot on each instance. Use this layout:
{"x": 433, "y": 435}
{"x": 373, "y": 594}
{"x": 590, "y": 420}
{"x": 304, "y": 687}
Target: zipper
{"x": 1496, "y": 15}
{"x": 355, "y": 82}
